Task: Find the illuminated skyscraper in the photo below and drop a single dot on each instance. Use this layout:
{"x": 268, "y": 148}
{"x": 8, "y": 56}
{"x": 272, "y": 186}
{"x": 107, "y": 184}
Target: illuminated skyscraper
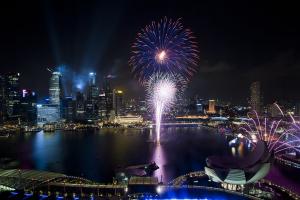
{"x": 118, "y": 106}
{"x": 211, "y": 106}
{"x": 80, "y": 106}
{"x": 255, "y": 97}
{"x": 108, "y": 95}
{"x": 199, "y": 105}
{"x": 47, "y": 113}
{"x": 102, "y": 112}
{"x": 55, "y": 90}
{"x": 92, "y": 78}
{"x": 92, "y": 98}
{"x": 68, "y": 109}
{"x": 93, "y": 90}
{"x": 28, "y": 107}
{"x": 13, "y": 96}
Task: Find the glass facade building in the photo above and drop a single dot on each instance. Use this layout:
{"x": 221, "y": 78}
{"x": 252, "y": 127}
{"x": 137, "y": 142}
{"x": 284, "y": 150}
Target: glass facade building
{"x": 55, "y": 89}
{"x": 47, "y": 113}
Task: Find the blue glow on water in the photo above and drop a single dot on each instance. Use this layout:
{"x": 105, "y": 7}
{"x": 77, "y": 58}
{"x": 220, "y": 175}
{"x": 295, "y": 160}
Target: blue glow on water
{"x": 43, "y": 196}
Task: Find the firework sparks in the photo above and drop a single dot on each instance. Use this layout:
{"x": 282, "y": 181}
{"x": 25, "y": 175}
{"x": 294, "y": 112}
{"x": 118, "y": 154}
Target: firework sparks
{"x": 163, "y": 90}
{"x": 165, "y": 47}
{"x": 278, "y": 135}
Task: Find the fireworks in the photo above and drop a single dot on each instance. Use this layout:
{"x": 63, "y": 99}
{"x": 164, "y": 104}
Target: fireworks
{"x": 164, "y": 47}
{"x": 163, "y": 90}
{"x": 279, "y": 136}
{"x": 164, "y": 57}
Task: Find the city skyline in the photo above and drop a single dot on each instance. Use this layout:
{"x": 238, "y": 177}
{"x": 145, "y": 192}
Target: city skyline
{"x": 247, "y": 43}
{"x": 128, "y": 99}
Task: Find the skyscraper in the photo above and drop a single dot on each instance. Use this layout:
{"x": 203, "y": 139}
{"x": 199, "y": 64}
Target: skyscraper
{"x": 93, "y": 90}
{"x": 199, "y": 105}
{"x": 47, "y": 113}
{"x": 102, "y": 112}
{"x": 92, "y": 78}
{"x": 80, "y": 106}
{"x": 255, "y": 96}
{"x": 12, "y": 95}
{"x": 55, "y": 89}
{"x": 56, "y": 92}
{"x": 28, "y": 107}
{"x": 118, "y": 105}
{"x": 68, "y": 109}
{"x": 92, "y": 98}
{"x": 211, "y": 106}
{"x": 108, "y": 95}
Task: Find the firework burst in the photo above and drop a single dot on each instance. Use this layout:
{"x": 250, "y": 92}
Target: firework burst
{"x": 164, "y": 47}
{"x": 280, "y": 136}
{"x": 163, "y": 90}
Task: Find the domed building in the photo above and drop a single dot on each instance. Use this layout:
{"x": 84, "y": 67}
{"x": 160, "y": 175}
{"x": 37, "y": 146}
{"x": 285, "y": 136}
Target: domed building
{"x": 240, "y": 171}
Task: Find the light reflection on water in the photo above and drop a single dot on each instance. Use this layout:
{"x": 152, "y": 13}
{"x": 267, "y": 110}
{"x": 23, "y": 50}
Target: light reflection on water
{"x": 96, "y": 154}
{"x": 46, "y": 149}
{"x": 159, "y": 158}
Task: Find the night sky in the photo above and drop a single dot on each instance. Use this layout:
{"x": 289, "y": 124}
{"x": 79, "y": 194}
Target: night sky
{"x": 239, "y": 42}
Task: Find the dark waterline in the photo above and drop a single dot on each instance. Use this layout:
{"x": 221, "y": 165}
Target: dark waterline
{"x": 96, "y": 154}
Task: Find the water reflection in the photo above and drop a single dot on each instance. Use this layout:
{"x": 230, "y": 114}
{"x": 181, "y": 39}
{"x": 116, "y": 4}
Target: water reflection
{"x": 47, "y": 151}
{"x": 159, "y": 158}
{"x": 96, "y": 155}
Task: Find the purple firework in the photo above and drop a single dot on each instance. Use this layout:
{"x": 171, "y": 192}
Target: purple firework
{"x": 164, "y": 47}
{"x": 279, "y": 135}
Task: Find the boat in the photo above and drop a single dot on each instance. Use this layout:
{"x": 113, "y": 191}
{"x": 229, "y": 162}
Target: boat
{"x": 138, "y": 170}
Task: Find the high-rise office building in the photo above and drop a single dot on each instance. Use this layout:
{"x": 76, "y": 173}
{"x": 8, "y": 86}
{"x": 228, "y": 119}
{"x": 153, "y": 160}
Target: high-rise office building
{"x": 142, "y": 107}
{"x": 68, "y": 109}
{"x": 90, "y": 110}
{"x": 93, "y": 90}
{"x": 12, "y": 95}
{"x": 255, "y": 96}
{"x": 199, "y": 105}
{"x": 28, "y": 107}
{"x": 80, "y": 106}
{"x": 108, "y": 95}
{"x": 130, "y": 106}
{"x": 92, "y": 97}
{"x": 92, "y": 78}
{"x": 118, "y": 105}
{"x": 51, "y": 112}
{"x": 47, "y": 113}
{"x": 211, "y": 106}
{"x": 55, "y": 89}
{"x": 102, "y": 111}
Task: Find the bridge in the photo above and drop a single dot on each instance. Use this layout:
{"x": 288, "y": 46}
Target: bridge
{"x": 32, "y": 179}
{"x": 53, "y": 185}
{"x": 288, "y": 162}
{"x": 179, "y": 181}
